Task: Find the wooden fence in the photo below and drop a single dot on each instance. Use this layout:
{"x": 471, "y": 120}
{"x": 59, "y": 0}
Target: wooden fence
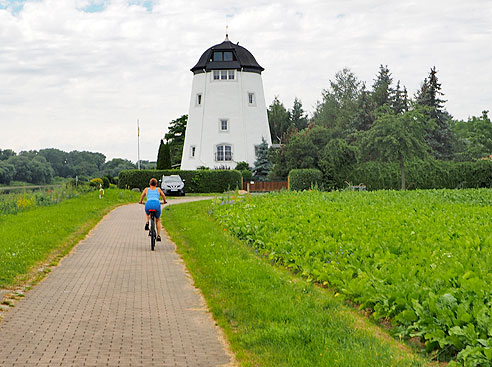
{"x": 263, "y": 186}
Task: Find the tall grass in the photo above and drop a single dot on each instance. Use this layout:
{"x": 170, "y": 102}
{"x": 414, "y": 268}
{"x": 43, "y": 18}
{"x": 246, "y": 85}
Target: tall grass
{"x": 13, "y": 203}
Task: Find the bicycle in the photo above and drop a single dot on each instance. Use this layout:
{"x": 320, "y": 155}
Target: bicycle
{"x": 152, "y": 229}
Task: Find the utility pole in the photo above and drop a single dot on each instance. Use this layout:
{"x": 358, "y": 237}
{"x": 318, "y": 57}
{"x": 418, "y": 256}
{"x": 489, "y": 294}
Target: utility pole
{"x": 138, "y": 144}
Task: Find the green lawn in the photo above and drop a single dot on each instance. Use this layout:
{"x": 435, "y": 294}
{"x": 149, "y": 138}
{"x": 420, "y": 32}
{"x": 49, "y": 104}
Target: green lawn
{"x": 271, "y": 317}
{"x": 45, "y": 234}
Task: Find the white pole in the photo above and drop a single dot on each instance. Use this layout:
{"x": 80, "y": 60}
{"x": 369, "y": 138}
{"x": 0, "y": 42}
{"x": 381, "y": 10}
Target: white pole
{"x": 138, "y": 144}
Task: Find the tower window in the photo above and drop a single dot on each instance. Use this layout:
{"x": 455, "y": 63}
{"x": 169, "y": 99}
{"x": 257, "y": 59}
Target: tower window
{"x": 223, "y": 153}
{"x": 251, "y": 99}
{"x": 223, "y": 56}
{"x": 199, "y": 99}
{"x": 224, "y": 125}
{"x": 192, "y": 151}
{"x": 217, "y": 56}
{"x": 227, "y": 56}
{"x": 224, "y": 74}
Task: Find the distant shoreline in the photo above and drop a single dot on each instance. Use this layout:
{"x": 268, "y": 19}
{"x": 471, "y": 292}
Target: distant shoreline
{"x": 30, "y": 187}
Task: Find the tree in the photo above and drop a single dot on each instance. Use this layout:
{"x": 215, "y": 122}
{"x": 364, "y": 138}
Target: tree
{"x": 398, "y": 138}
{"x": 473, "y": 137}
{"x": 175, "y": 138}
{"x": 399, "y": 99}
{"x": 7, "y": 172}
{"x": 381, "y": 89}
{"x": 144, "y": 164}
{"x": 338, "y": 108}
{"x": 113, "y": 167}
{"x": 164, "y": 156}
{"x": 86, "y": 163}
{"x": 59, "y": 160}
{"x": 262, "y": 164}
{"x": 298, "y": 117}
{"x": 278, "y": 119}
{"x": 31, "y": 168}
{"x": 6, "y": 154}
{"x": 335, "y": 159}
{"x": 364, "y": 116}
{"x": 429, "y": 95}
{"x": 301, "y": 151}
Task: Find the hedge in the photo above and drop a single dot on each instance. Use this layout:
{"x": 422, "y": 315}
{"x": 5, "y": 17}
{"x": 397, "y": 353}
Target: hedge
{"x": 304, "y": 179}
{"x": 199, "y": 181}
{"x": 429, "y": 174}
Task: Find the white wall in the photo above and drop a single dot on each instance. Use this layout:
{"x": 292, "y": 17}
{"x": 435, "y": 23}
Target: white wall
{"x": 225, "y": 99}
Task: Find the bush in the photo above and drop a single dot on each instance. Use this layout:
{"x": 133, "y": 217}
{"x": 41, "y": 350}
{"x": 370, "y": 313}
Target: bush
{"x": 247, "y": 174}
{"x": 105, "y": 181}
{"x": 241, "y": 166}
{"x": 428, "y": 174}
{"x": 110, "y": 179}
{"x": 304, "y": 179}
{"x": 95, "y": 182}
{"x": 199, "y": 181}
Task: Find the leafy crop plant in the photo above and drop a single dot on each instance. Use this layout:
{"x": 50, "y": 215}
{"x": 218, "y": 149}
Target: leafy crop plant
{"x": 421, "y": 259}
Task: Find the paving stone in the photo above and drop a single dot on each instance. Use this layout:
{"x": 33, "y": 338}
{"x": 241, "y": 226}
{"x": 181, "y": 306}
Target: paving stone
{"x": 114, "y": 302}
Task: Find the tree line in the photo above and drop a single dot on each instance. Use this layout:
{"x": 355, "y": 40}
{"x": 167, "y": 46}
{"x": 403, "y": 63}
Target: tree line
{"x": 40, "y": 167}
{"x": 354, "y": 124}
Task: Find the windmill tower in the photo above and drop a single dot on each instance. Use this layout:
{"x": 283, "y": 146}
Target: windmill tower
{"x": 227, "y": 117}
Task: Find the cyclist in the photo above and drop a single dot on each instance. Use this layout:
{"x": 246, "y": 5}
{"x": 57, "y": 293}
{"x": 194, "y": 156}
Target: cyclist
{"x": 153, "y": 193}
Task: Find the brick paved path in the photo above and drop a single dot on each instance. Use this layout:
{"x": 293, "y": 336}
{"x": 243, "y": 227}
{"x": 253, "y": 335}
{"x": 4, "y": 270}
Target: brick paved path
{"x": 113, "y": 302}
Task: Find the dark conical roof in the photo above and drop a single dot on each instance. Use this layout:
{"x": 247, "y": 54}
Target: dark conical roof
{"x": 242, "y": 59}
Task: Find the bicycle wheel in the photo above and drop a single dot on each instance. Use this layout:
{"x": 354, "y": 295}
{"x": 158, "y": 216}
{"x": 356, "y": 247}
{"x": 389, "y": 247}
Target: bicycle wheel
{"x": 152, "y": 232}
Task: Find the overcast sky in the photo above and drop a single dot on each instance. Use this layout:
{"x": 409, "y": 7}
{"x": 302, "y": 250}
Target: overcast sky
{"x": 77, "y": 74}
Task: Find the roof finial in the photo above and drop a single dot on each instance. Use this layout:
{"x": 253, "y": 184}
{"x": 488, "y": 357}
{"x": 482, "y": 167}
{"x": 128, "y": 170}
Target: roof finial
{"x": 227, "y": 33}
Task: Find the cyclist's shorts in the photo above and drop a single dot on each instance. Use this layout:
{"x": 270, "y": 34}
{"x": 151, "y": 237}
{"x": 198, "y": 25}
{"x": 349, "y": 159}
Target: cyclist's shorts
{"x": 153, "y": 205}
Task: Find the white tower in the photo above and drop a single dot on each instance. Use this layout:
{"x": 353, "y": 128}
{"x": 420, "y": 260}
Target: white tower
{"x": 227, "y": 117}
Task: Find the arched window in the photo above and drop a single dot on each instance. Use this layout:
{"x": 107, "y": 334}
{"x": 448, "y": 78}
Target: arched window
{"x": 223, "y": 152}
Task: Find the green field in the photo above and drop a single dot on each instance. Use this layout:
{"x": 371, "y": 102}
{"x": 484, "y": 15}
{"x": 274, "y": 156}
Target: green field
{"x": 420, "y": 259}
{"x": 271, "y": 317}
{"x": 39, "y": 234}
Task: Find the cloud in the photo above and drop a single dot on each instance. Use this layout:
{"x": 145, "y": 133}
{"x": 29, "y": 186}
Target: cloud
{"x": 77, "y": 74}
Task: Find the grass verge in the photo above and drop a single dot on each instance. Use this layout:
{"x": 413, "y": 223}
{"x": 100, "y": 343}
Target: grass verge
{"x": 43, "y": 235}
{"x": 271, "y": 317}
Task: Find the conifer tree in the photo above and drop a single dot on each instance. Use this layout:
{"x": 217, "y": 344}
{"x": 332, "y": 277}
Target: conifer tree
{"x": 164, "y": 156}
{"x": 365, "y": 116}
{"x": 278, "y": 118}
{"x": 429, "y": 96}
{"x": 399, "y": 100}
{"x": 262, "y": 164}
{"x": 381, "y": 89}
{"x": 298, "y": 117}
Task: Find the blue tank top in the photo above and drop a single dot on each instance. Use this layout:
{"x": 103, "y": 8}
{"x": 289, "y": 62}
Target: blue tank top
{"x": 152, "y": 194}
